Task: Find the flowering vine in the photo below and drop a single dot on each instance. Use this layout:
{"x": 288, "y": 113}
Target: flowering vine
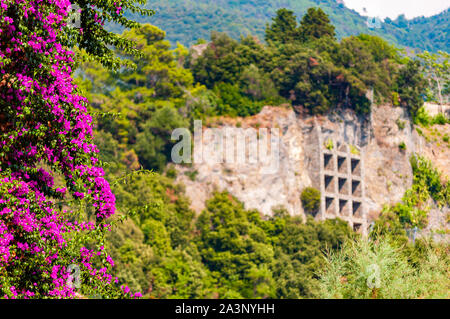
{"x": 45, "y": 129}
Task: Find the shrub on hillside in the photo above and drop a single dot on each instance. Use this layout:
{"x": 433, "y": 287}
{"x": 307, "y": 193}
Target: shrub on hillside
{"x": 379, "y": 269}
{"x": 310, "y": 200}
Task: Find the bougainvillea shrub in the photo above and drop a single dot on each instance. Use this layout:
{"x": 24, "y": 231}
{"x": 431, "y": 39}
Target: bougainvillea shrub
{"x": 46, "y": 248}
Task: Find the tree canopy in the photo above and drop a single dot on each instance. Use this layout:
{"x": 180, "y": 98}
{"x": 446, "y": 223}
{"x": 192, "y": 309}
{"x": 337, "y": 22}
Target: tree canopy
{"x": 88, "y": 199}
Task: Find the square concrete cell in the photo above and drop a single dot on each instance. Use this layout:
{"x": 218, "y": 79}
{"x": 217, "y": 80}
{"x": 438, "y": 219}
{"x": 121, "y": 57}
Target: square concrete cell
{"x": 343, "y": 186}
{"x": 342, "y": 164}
{"x": 356, "y": 167}
{"x": 330, "y": 206}
{"x": 328, "y": 162}
{"x": 356, "y": 188}
{"x": 357, "y": 209}
{"x": 343, "y": 207}
{"x": 329, "y": 183}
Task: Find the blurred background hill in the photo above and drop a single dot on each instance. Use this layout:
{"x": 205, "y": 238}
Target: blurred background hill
{"x": 186, "y": 21}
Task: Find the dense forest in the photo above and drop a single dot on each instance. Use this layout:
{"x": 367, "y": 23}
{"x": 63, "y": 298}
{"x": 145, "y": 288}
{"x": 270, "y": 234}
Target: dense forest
{"x": 186, "y": 21}
{"x": 227, "y": 251}
{"x": 302, "y": 65}
{"x": 86, "y": 178}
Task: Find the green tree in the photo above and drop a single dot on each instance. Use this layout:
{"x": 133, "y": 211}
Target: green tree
{"x": 315, "y": 24}
{"x": 157, "y": 74}
{"x": 388, "y": 225}
{"x": 257, "y": 84}
{"x": 311, "y": 200}
{"x": 410, "y": 86}
{"x": 89, "y": 34}
{"x": 232, "y": 101}
{"x": 427, "y": 184}
{"x": 283, "y": 28}
{"x": 299, "y": 248}
{"x": 219, "y": 62}
{"x": 379, "y": 270}
{"x": 437, "y": 71}
{"x": 303, "y": 78}
{"x": 142, "y": 103}
{"x": 153, "y": 144}
{"x": 234, "y": 247}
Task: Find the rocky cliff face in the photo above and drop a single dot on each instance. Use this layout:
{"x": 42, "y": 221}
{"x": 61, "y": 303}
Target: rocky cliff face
{"x": 387, "y": 169}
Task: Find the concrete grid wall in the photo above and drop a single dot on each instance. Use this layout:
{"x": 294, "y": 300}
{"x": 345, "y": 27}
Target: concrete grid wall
{"x": 342, "y": 184}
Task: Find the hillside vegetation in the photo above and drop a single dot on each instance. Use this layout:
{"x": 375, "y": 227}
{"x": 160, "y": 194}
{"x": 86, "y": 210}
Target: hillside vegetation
{"x": 85, "y": 178}
{"x": 227, "y": 251}
{"x": 186, "y": 21}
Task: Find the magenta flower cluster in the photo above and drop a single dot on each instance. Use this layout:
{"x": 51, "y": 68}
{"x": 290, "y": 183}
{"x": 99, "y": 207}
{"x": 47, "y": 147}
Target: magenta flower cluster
{"x": 44, "y": 123}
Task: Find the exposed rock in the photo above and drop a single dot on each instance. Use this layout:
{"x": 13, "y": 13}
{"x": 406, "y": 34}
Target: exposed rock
{"x": 433, "y": 109}
{"x": 388, "y": 171}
